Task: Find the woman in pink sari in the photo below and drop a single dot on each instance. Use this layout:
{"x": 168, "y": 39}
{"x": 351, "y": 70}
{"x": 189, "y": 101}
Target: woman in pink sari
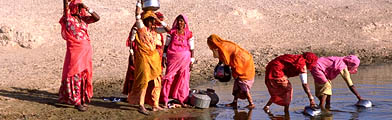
{"x": 327, "y": 69}
{"x": 76, "y": 85}
{"x": 179, "y": 55}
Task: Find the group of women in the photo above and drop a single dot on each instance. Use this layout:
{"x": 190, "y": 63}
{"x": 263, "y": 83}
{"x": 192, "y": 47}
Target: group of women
{"x": 150, "y": 54}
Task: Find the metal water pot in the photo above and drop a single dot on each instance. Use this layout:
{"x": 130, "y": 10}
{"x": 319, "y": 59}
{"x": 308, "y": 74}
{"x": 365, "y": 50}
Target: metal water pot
{"x": 151, "y": 5}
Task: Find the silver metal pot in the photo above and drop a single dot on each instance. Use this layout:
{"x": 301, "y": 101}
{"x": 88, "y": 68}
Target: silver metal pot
{"x": 312, "y": 111}
{"x": 151, "y": 5}
{"x": 364, "y": 103}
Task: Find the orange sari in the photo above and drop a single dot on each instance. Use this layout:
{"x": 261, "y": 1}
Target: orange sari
{"x": 239, "y": 59}
{"x": 147, "y": 69}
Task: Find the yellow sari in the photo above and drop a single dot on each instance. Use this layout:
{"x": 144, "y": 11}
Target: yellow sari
{"x": 147, "y": 69}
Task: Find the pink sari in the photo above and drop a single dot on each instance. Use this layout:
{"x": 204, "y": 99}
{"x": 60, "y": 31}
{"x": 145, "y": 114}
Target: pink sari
{"x": 328, "y": 68}
{"x": 176, "y": 81}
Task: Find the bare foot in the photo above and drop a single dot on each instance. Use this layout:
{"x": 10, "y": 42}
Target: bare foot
{"x": 185, "y": 105}
{"x": 85, "y": 105}
{"x": 250, "y": 106}
{"x": 164, "y": 106}
{"x": 143, "y": 110}
{"x": 266, "y": 109}
{"x": 157, "y": 108}
{"x": 233, "y": 104}
{"x": 81, "y": 108}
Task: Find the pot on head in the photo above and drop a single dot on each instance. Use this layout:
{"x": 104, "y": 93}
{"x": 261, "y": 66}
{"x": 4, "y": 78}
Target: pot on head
{"x": 151, "y": 5}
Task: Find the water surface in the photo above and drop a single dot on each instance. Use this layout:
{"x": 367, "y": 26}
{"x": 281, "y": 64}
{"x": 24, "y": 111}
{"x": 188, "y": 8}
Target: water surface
{"x": 372, "y": 82}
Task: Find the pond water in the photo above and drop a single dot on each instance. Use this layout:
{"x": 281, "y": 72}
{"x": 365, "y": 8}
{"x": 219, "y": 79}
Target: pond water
{"x": 372, "y": 82}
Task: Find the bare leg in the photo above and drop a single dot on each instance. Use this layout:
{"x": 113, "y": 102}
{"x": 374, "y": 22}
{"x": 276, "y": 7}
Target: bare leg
{"x": 266, "y": 107}
{"x": 249, "y": 97}
{"x": 322, "y": 101}
{"x": 234, "y": 103}
{"x": 286, "y": 109}
{"x": 328, "y": 102}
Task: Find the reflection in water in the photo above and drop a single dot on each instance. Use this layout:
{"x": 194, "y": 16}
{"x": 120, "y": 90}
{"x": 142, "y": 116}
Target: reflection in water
{"x": 373, "y": 83}
{"x": 204, "y": 115}
{"x": 242, "y": 115}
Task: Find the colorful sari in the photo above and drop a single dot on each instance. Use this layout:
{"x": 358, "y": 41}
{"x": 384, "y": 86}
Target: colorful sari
{"x": 240, "y": 61}
{"x": 130, "y": 76}
{"x": 76, "y": 84}
{"x": 147, "y": 68}
{"x": 175, "y": 84}
{"x": 282, "y": 67}
{"x": 328, "y": 68}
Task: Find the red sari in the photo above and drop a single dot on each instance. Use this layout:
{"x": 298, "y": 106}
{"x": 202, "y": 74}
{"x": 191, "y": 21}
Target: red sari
{"x": 76, "y": 84}
{"x": 282, "y": 67}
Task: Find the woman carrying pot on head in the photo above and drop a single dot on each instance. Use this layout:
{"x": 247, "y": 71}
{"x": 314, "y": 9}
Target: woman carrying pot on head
{"x": 131, "y": 67}
{"x": 146, "y": 60}
{"x": 276, "y": 78}
{"x": 241, "y": 63}
{"x": 178, "y": 54}
{"x": 76, "y": 85}
{"x": 327, "y": 69}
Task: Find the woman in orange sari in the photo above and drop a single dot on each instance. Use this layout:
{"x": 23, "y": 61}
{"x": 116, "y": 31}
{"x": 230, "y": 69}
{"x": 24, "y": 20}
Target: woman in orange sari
{"x": 147, "y": 61}
{"x": 129, "y": 77}
{"x": 276, "y": 78}
{"x": 76, "y": 85}
{"x": 241, "y": 63}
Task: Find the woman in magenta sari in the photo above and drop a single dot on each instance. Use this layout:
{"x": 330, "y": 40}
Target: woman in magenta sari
{"x": 179, "y": 54}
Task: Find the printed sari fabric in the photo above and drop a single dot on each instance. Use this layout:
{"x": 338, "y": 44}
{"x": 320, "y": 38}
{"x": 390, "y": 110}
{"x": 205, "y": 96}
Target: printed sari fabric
{"x": 77, "y": 69}
{"x": 147, "y": 69}
{"x": 175, "y": 84}
{"x": 240, "y": 61}
{"x": 130, "y": 75}
{"x": 278, "y": 71}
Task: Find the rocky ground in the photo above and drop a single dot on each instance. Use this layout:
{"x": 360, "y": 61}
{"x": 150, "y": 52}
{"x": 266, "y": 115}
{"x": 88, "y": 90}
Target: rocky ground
{"x": 32, "y": 50}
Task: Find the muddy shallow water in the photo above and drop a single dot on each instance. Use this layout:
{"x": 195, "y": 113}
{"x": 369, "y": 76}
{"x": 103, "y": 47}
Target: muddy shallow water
{"x": 372, "y": 82}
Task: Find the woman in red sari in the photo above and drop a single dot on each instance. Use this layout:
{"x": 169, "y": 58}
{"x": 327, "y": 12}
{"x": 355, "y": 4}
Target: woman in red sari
{"x": 76, "y": 85}
{"x": 279, "y": 70}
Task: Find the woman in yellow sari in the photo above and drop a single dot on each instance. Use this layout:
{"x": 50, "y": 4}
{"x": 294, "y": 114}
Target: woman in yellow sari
{"x": 147, "y": 62}
{"x": 241, "y": 63}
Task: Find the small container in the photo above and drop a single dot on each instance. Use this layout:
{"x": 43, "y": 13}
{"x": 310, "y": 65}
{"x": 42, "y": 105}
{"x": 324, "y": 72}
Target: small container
{"x": 200, "y": 100}
{"x": 364, "y": 103}
{"x": 151, "y": 5}
{"x": 312, "y": 111}
{"x": 214, "y": 97}
{"x": 222, "y": 73}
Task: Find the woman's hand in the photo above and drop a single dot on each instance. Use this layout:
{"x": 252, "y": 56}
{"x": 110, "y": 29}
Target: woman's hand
{"x": 84, "y": 6}
{"x": 312, "y": 103}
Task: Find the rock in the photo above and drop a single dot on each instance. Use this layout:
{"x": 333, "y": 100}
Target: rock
{"x": 5, "y": 29}
{"x": 9, "y": 37}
